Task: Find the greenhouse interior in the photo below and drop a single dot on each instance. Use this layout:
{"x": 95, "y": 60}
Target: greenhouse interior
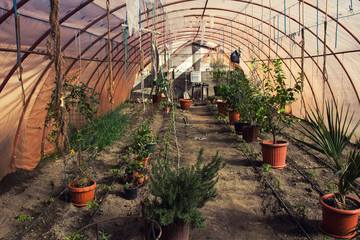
{"x": 179, "y": 119}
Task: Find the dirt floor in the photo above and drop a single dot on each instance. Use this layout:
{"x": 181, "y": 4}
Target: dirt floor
{"x": 245, "y": 208}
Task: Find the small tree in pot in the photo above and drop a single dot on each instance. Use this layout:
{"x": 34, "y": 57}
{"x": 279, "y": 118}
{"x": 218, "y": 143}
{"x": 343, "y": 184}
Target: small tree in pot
{"x": 330, "y": 136}
{"x": 272, "y": 115}
{"x": 218, "y": 73}
{"x": 180, "y": 193}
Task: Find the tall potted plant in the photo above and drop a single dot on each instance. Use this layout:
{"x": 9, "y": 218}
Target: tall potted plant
{"x": 232, "y": 92}
{"x": 180, "y": 193}
{"x": 272, "y": 113}
{"x": 330, "y": 136}
{"x": 218, "y": 73}
{"x": 159, "y": 83}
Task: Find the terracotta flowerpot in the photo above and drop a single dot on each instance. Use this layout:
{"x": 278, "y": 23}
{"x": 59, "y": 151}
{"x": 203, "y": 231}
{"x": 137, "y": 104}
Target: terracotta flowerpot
{"x": 338, "y": 222}
{"x": 144, "y": 161}
{"x": 233, "y": 116}
{"x": 139, "y": 180}
{"x": 80, "y": 196}
{"x": 185, "y": 104}
{"x": 240, "y": 126}
{"x": 156, "y": 98}
{"x": 178, "y": 231}
{"x": 221, "y": 106}
{"x": 250, "y": 134}
{"x": 274, "y": 154}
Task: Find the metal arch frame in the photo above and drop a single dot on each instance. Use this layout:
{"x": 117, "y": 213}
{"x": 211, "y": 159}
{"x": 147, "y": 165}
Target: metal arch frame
{"x": 272, "y": 51}
{"x": 331, "y": 91}
{"x": 215, "y": 38}
{"x": 67, "y": 16}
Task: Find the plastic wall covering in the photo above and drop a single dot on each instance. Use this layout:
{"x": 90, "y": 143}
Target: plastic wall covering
{"x": 262, "y": 29}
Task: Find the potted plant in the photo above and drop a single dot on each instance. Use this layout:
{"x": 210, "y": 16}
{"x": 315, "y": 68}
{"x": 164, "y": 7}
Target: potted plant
{"x": 185, "y": 104}
{"x": 272, "y": 114}
{"x": 180, "y": 193}
{"x": 82, "y": 190}
{"x": 150, "y": 146}
{"x": 141, "y": 138}
{"x": 211, "y": 99}
{"x": 218, "y": 73}
{"x": 130, "y": 190}
{"x": 229, "y": 91}
{"x": 165, "y": 105}
{"x": 330, "y": 136}
{"x": 159, "y": 83}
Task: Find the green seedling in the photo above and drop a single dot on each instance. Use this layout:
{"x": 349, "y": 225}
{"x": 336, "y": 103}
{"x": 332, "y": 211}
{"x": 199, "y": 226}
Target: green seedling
{"x": 114, "y": 170}
{"x": 49, "y": 200}
{"x": 92, "y": 205}
{"x": 104, "y": 235}
{"x": 331, "y": 187}
{"x": 73, "y": 236}
{"x": 246, "y": 149}
{"x": 313, "y": 175}
{"x": 254, "y": 156}
{"x": 24, "y": 218}
{"x": 107, "y": 187}
{"x": 278, "y": 184}
{"x": 241, "y": 140}
{"x": 300, "y": 209}
{"x": 266, "y": 167}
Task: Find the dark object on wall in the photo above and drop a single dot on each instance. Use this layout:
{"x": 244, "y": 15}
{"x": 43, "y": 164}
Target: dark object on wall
{"x": 235, "y": 57}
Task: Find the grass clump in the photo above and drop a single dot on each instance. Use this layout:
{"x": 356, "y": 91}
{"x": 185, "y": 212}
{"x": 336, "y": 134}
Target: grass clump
{"x": 101, "y": 132}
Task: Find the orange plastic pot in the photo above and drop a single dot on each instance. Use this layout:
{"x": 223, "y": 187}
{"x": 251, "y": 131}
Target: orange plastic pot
{"x": 221, "y": 106}
{"x": 80, "y": 196}
{"x": 233, "y": 116}
{"x": 185, "y": 104}
{"x": 338, "y": 223}
{"x": 144, "y": 161}
{"x": 274, "y": 153}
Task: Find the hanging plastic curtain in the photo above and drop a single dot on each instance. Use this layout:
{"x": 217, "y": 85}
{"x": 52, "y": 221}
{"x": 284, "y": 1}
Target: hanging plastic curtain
{"x": 203, "y": 28}
{"x": 132, "y": 11}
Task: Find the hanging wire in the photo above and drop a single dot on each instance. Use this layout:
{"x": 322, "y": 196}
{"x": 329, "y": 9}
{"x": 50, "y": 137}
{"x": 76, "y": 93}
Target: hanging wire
{"x": 337, "y": 22}
{"x": 285, "y": 15}
{"x": 277, "y": 41}
{"x": 317, "y": 25}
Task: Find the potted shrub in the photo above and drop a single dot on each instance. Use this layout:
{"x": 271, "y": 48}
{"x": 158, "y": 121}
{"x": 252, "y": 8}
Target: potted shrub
{"x": 218, "y": 73}
{"x": 158, "y": 84}
{"x": 180, "y": 193}
{"x": 150, "y": 146}
{"x": 82, "y": 190}
{"x": 272, "y": 115}
{"x": 130, "y": 190}
{"x": 230, "y": 92}
{"x": 330, "y": 136}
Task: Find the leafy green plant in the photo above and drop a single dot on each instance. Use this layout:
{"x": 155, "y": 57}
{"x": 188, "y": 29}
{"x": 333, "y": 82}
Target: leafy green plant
{"x": 77, "y": 97}
{"x": 218, "y": 72}
{"x": 101, "y": 132}
{"x": 49, "y": 200}
{"x": 73, "y": 236}
{"x": 266, "y": 167}
{"x": 24, "y": 218}
{"x": 300, "y": 209}
{"x": 104, "y": 235}
{"x": 278, "y": 184}
{"x": 107, "y": 187}
{"x": 330, "y": 136}
{"x": 272, "y": 116}
{"x": 181, "y": 192}
{"x": 313, "y": 175}
{"x": 92, "y": 205}
{"x": 114, "y": 170}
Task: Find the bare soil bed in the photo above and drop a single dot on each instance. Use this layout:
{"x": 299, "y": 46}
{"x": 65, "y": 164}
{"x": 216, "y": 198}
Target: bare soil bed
{"x": 245, "y": 208}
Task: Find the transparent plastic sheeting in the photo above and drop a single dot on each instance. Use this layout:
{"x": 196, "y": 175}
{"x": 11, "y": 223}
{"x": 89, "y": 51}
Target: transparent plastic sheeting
{"x": 262, "y": 29}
